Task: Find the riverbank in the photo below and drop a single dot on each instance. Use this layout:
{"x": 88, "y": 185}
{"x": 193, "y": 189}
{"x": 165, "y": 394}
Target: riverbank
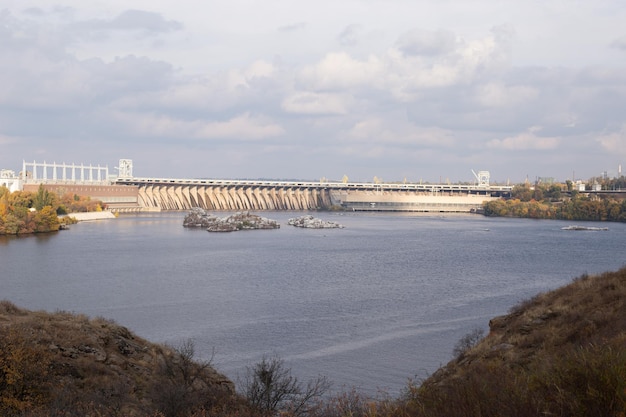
{"x": 92, "y": 216}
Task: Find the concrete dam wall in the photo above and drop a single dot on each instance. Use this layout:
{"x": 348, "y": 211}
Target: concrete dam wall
{"x": 281, "y": 197}
{"x": 209, "y": 197}
{"x": 411, "y": 201}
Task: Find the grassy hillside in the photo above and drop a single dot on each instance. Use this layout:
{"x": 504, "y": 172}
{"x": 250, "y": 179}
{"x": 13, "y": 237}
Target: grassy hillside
{"x": 64, "y": 364}
{"x": 562, "y": 353}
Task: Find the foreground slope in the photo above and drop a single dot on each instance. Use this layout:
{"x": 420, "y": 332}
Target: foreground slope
{"x": 67, "y": 364}
{"x": 561, "y": 353}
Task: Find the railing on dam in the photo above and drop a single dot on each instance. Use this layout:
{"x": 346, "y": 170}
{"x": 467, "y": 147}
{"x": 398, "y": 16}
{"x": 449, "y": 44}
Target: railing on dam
{"x": 321, "y": 185}
{"x": 215, "y": 194}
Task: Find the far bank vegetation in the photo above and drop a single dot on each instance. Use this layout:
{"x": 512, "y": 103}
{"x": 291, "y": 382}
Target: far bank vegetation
{"x": 24, "y": 212}
{"x": 555, "y": 201}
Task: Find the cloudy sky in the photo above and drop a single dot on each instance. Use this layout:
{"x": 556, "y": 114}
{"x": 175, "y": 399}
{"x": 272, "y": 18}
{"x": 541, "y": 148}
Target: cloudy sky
{"x": 396, "y": 89}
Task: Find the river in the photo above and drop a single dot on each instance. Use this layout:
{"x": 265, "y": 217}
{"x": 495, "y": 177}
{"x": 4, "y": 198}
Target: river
{"x": 369, "y": 306}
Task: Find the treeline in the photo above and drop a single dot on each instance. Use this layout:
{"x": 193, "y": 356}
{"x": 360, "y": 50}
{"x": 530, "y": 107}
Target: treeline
{"x": 609, "y": 184}
{"x": 24, "y": 212}
{"x": 548, "y": 202}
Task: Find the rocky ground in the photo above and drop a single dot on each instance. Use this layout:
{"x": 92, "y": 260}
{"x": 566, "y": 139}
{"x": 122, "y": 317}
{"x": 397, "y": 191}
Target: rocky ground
{"x": 238, "y": 221}
{"x": 310, "y": 222}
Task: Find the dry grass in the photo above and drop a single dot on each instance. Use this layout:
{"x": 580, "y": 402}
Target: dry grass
{"x": 65, "y": 362}
{"x": 562, "y": 353}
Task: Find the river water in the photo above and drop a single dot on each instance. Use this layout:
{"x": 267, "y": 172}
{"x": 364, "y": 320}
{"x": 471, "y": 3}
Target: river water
{"x": 368, "y": 306}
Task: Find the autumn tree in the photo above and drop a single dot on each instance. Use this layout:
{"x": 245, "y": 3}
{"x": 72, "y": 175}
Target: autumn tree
{"x": 43, "y": 198}
{"x": 46, "y": 220}
{"x": 24, "y": 212}
{"x": 522, "y": 192}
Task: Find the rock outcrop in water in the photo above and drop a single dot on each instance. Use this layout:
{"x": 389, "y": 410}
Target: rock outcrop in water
{"x": 238, "y": 221}
{"x": 198, "y": 217}
{"x": 588, "y": 228}
{"x": 311, "y": 222}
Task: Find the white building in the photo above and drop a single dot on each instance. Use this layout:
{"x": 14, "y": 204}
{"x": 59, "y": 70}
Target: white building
{"x": 10, "y": 180}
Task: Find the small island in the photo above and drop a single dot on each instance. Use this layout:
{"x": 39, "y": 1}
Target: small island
{"x": 585, "y": 228}
{"x": 310, "y": 222}
{"x": 239, "y": 221}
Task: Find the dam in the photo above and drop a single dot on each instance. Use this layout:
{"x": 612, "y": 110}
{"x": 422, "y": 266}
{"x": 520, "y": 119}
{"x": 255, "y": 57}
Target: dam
{"x": 127, "y": 193}
{"x": 229, "y": 195}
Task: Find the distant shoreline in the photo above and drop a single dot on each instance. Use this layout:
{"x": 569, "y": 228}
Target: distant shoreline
{"x": 92, "y": 216}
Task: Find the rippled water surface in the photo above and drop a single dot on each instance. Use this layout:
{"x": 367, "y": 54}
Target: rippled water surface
{"x": 371, "y": 305}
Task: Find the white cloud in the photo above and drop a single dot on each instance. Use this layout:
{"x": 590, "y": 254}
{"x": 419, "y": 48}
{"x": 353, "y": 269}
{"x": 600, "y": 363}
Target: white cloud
{"x": 306, "y": 102}
{"x": 408, "y": 75}
{"x": 338, "y": 70}
{"x": 619, "y": 43}
{"x": 452, "y": 63}
{"x": 45, "y": 76}
{"x": 528, "y": 140}
{"x": 416, "y": 64}
{"x": 148, "y": 23}
{"x": 422, "y": 42}
{"x": 349, "y": 36}
{"x": 292, "y": 27}
{"x": 388, "y": 132}
{"x": 244, "y": 127}
{"x": 614, "y": 142}
{"x": 143, "y": 20}
{"x": 497, "y": 94}
{"x": 259, "y": 69}
{"x": 292, "y": 78}
{"x": 216, "y": 92}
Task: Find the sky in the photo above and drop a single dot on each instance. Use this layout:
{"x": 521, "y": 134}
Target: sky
{"x": 397, "y": 90}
